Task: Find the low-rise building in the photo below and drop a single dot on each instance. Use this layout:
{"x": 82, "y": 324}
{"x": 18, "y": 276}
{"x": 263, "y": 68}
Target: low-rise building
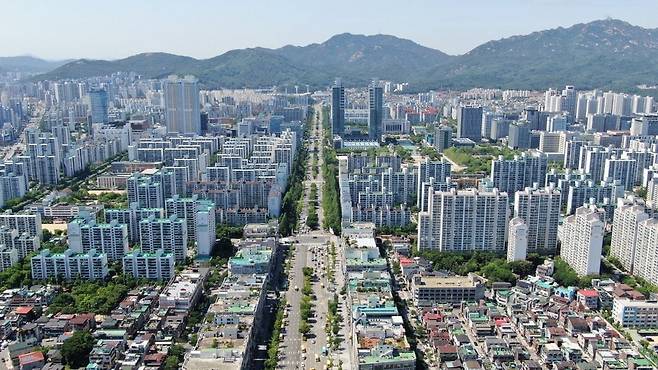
{"x": 430, "y": 290}
{"x": 635, "y": 314}
{"x": 184, "y": 292}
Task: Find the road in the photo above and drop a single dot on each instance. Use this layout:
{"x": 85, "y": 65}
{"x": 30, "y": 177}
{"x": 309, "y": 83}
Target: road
{"x": 311, "y": 250}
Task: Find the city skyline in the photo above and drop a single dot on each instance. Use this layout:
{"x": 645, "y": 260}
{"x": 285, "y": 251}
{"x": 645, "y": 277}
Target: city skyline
{"x": 173, "y": 28}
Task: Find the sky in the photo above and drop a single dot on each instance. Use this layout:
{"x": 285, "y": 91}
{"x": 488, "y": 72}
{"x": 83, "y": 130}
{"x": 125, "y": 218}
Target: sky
{"x": 113, "y": 29}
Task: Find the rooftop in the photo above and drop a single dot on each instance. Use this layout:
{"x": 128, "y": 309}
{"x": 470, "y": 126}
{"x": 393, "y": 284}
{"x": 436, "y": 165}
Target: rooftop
{"x": 448, "y": 282}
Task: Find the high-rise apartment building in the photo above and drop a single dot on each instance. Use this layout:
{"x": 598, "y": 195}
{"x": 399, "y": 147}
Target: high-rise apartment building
{"x": 540, "y": 211}
{"x": 152, "y": 266}
{"x": 510, "y": 175}
{"x": 182, "y": 106}
{"x": 69, "y": 265}
{"x": 592, "y": 161}
{"x": 428, "y": 169}
{"x": 581, "y": 236}
{"x": 517, "y": 240}
{"x": 168, "y": 234}
{"x": 23, "y": 222}
{"x": 131, "y": 217}
{"x": 628, "y": 216}
{"x": 204, "y": 219}
{"x": 622, "y": 169}
{"x": 582, "y": 192}
{"x": 646, "y": 251}
{"x": 466, "y": 221}
{"x": 652, "y": 190}
{"x": 145, "y": 191}
{"x": 84, "y": 234}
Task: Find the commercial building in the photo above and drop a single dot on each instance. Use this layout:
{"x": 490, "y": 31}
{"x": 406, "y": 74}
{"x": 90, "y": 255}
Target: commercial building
{"x": 429, "y": 291}
{"x": 378, "y": 335}
{"x": 469, "y": 123}
{"x": 182, "y": 106}
{"x": 519, "y": 136}
{"x": 184, "y": 292}
{"x": 249, "y": 260}
{"x": 442, "y": 138}
{"x": 98, "y": 105}
{"x": 338, "y": 105}
{"x": 375, "y": 111}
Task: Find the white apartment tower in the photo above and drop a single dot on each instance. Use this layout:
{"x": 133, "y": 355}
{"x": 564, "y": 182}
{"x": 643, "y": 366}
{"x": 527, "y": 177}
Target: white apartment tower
{"x": 540, "y": 211}
{"x": 646, "y": 251}
{"x": 205, "y": 227}
{"x": 84, "y": 234}
{"x": 466, "y": 220}
{"x": 168, "y": 234}
{"x": 621, "y": 169}
{"x": 628, "y": 217}
{"x": 510, "y": 175}
{"x": 581, "y": 235}
{"x": 153, "y": 266}
{"x": 517, "y": 242}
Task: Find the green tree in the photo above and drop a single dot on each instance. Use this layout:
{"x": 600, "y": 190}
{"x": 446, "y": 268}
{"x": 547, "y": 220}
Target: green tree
{"x": 76, "y": 349}
{"x": 171, "y": 363}
{"x": 564, "y": 274}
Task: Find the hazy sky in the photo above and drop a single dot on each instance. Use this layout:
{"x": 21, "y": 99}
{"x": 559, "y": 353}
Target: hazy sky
{"x": 111, "y": 29}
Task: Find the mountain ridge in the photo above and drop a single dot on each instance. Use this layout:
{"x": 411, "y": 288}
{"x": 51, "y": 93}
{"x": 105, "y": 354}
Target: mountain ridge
{"x": 28, "y": 63}
{"x": 608, "y": 53}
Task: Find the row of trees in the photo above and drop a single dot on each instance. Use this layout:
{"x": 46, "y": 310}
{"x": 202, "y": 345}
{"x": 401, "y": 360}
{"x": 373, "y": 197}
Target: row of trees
{"x": 295, "y": 189}
{"x": 306, "y": 303}
{"x": 330, "y": 190}
{"x": 333, "y": 322}
{"x": 294, "y": 192}
{"x": 273, "y": 347}
{"x": 312, "y": 220}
